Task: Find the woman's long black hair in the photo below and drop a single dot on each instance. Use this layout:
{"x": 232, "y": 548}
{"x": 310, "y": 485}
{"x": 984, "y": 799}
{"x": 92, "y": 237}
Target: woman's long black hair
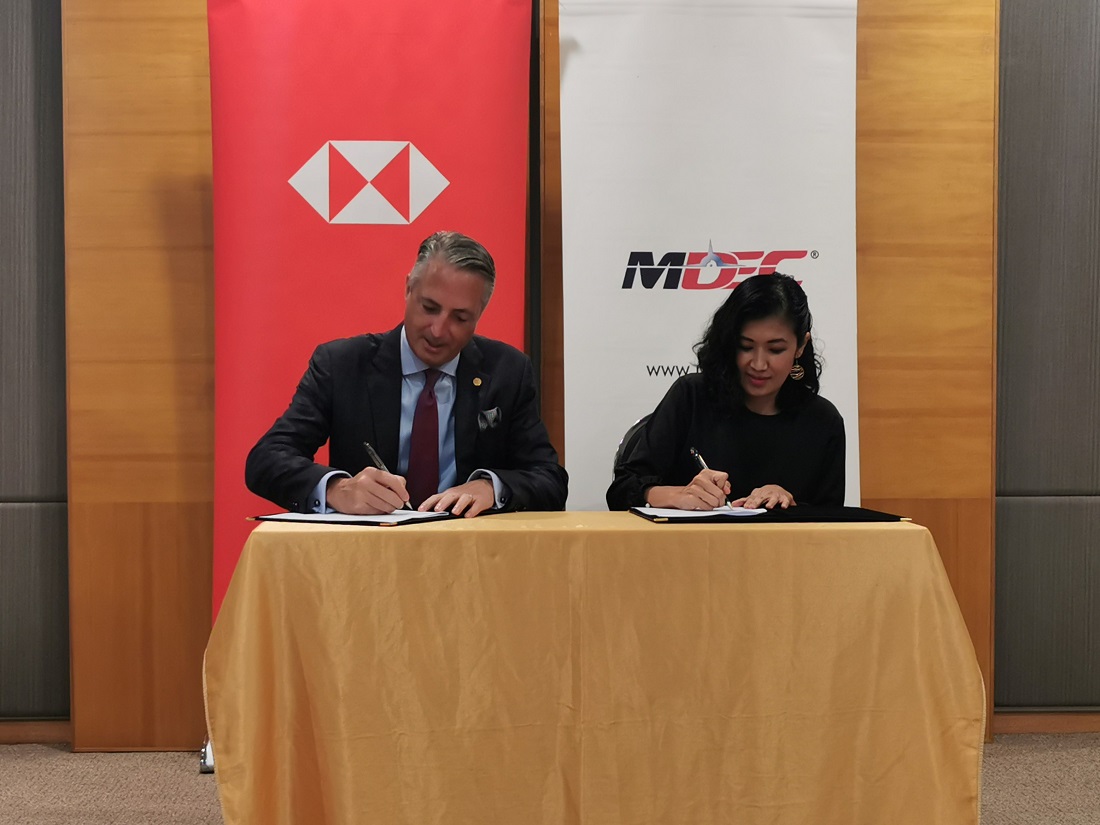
{"x": 756, "y": 298}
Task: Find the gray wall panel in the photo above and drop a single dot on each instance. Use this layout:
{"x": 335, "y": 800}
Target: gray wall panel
{"x": 1049, "y": 249}
{"x": 1047, "y": 635}
{"x": 32, "y": 312}
{"x": 34, "y": 611}
{"x": 34, "y": 632}
{"x": 1048, "y": 602}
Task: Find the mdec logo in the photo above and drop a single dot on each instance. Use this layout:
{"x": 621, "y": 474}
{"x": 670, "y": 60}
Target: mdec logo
{"x": 704, "y": 270}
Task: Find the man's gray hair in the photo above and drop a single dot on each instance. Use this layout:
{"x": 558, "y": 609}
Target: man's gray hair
{"x": 457, "y": 250}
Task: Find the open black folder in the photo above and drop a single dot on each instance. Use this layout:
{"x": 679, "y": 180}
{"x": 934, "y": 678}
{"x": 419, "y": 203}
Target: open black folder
{"x": 792, "y": 515}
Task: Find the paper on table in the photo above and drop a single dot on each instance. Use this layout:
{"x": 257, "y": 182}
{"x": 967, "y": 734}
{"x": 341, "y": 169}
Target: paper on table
{"x": 725, "y": 510}
{"x": 397, "y": 517}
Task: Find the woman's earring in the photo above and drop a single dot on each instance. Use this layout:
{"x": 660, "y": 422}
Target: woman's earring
{"x": 798, "y": 372}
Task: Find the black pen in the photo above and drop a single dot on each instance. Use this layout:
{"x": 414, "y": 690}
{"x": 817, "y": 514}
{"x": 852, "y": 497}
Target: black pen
{"x": 377, "y": 461}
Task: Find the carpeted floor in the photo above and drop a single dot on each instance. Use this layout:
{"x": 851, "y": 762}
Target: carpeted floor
{"x": 48, "y": 785}
{"x": 1045, "y": 780}
{"x": 1028, "y": 780}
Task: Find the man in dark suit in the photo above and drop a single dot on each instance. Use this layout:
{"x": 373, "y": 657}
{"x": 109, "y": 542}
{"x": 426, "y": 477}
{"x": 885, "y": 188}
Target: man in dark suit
{"x": 454, "y": 415}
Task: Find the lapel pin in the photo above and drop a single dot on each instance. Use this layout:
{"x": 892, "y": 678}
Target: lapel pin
{"x": 477, "y": 382}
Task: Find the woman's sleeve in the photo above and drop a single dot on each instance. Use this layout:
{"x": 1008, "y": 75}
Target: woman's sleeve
{"x": 831, "y": 491}
{"x": 650, "y": 461}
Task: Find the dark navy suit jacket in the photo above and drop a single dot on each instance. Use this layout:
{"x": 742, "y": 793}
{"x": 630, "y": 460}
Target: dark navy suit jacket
{"x": 351, "y": 393}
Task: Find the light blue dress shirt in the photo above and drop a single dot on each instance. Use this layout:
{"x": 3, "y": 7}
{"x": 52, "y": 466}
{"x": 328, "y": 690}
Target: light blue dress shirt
{"x": 413, "y": 379}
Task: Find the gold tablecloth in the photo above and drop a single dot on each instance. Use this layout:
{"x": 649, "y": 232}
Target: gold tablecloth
{"x": 593, "y": 668}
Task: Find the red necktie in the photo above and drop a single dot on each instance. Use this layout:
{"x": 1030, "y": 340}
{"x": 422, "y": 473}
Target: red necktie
{"x": 423, "y": 475}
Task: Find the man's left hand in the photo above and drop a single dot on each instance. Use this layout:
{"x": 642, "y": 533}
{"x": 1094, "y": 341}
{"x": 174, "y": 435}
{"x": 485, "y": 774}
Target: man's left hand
{"x": 469, "y": 499}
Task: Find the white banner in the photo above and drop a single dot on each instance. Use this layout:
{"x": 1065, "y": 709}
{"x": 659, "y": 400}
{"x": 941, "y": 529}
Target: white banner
{"x": 690, "y": 127}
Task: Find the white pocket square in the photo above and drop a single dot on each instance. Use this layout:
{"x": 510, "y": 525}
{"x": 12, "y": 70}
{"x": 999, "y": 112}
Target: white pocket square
{"x": 488, "y": 419}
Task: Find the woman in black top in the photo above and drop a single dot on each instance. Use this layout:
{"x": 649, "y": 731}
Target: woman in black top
{"x": 752, "y": 411}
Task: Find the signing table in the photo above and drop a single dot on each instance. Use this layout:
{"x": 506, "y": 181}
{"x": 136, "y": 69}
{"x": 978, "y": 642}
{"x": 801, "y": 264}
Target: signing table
{"x": 593, "y": 668}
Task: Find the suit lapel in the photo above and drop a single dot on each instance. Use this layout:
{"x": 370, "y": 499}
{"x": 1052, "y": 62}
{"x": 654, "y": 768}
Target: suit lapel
{"x": 383, "y": 381}
{"x": 469, "y": 381}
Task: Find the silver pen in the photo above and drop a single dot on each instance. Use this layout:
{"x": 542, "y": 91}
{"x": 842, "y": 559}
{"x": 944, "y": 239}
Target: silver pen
{"x": 699, "y": 460}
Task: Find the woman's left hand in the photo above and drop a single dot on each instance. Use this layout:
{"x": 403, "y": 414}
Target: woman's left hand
{"x": 769, "y": 496}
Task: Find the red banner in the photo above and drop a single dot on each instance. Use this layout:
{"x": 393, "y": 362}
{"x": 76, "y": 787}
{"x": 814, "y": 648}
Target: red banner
{"x": 345, "y": 132}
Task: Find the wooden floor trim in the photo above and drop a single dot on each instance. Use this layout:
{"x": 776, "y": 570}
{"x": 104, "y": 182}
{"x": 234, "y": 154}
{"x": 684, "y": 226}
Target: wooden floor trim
{"x": 145, "y": 749}
{"x": 1005, "y": 723}
{"x": 35, "y": 733}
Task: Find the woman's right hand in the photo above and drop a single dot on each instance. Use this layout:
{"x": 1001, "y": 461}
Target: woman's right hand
{"x": 709, "y": 489}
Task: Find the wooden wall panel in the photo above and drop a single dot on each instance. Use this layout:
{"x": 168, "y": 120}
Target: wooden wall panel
{"x": 553, "y": 334}
{"x": 925, "y": 230}
{"x": 926, "y": 173}
{"x": 139, "y": 285}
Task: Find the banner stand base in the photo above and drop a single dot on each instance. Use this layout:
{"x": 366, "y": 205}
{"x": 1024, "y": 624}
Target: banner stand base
{"x": 206, "y": 756}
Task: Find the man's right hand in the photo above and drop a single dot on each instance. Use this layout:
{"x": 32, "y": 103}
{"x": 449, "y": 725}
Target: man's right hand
{"x": 372, "y": 492}
{"x": 705, "y": 492}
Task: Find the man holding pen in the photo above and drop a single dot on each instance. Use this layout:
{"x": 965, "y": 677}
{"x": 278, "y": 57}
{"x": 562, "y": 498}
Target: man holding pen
{"x": 452, "y": 414}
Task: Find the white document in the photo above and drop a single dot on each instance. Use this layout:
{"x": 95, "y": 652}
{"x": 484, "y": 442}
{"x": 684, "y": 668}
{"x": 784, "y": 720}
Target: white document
{"x": 733, "y": 512}
{"x": 397, "y": 517}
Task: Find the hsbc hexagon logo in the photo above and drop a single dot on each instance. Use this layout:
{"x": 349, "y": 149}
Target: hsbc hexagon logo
{"x": 369, "y": 182}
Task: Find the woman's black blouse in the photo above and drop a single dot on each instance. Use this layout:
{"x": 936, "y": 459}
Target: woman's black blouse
{"x": 801, "y": 448}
